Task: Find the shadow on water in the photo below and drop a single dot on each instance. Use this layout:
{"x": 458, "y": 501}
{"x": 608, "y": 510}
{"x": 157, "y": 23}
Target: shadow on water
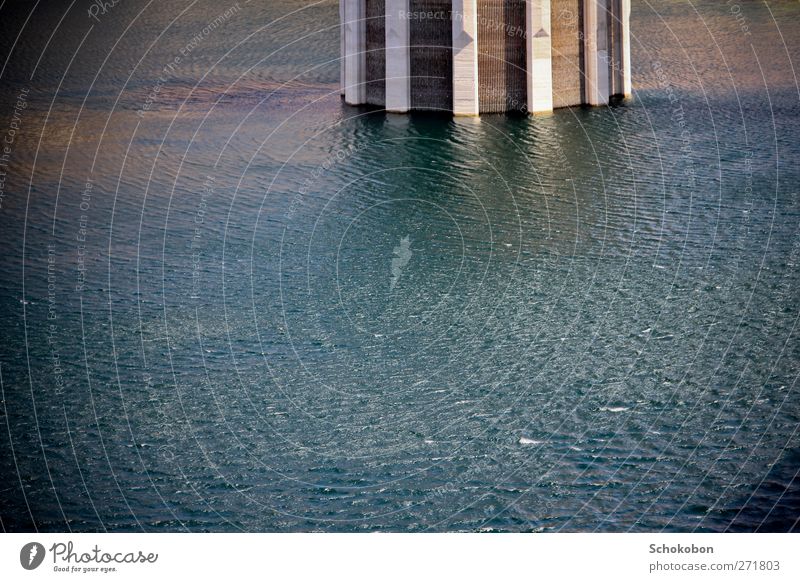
{"x": 773, "y": 506}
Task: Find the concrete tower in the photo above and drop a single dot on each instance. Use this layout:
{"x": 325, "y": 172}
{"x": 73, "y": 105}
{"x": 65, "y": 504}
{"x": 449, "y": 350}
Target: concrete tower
{"x": 482, "y": 56}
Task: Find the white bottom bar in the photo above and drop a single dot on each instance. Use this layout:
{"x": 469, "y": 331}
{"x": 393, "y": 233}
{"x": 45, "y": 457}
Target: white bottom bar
{"x": 404, "y": 557}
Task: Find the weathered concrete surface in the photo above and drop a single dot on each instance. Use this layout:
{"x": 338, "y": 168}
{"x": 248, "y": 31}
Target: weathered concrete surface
{"x": 539, "y": 56}
{"x": 566, "y": 20}
{"x": 355, "y": 54}
{"x": 596, "y": 58}
{"x": 398, "y": 61}
{"x": 481, "y": 56}
{"x": 465, "y": 57}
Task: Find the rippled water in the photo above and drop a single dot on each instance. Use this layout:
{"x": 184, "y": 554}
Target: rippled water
{"x": 230, "y": 302}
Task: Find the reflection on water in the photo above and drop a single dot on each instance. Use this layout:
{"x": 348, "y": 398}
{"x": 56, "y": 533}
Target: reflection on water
{"x": 231, "y": 302}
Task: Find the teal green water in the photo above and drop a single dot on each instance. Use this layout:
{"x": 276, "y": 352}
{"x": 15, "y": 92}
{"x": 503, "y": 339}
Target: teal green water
{"x": 230, "y": 302}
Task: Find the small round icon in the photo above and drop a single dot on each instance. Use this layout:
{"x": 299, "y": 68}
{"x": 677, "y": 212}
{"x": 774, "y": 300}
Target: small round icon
{"x": 31, "y": 555}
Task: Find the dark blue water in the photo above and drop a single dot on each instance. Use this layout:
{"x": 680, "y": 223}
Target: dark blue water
{"x": 230, "y": 302}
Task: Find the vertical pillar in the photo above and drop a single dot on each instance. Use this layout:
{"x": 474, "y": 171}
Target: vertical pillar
{"x": 625, "y": 37}
{"x": 595, "y": 33}
{"x": 620, "y": 47}
{"x": 355, "y": 56}
{"x": 398, "y": 56}
{"x": 465, "y": 57}
{"x": 341, "y": 47}
{"x": 539, "y": 69}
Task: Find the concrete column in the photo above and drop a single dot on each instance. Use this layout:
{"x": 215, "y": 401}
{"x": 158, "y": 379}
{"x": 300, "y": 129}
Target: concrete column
{"x": 398, "y": 57}
{"x": 626, "y": 47}
{"x": 465, "y": 57}
{"x": 539, "y": 67}
{"x": 341, "y": 47}
{"x": 595, "y": 34}
{"x": 355, "y": 55}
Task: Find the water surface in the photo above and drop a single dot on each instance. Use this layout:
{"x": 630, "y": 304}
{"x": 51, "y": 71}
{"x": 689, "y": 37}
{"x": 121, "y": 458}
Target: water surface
{"x": 230, "y": 302}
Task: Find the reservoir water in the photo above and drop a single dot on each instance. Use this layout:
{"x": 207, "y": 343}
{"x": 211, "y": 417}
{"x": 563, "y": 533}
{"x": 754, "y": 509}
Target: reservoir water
{"x": 229, "y": 302}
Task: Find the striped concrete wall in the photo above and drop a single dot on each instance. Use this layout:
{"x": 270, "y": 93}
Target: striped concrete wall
{"x": 567, "y": 51}
{"x": 501, "y": 56}
{"x": 431, "y": 55}
{"x": 484, "y": 59}
{"x": 376, "y": 53}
